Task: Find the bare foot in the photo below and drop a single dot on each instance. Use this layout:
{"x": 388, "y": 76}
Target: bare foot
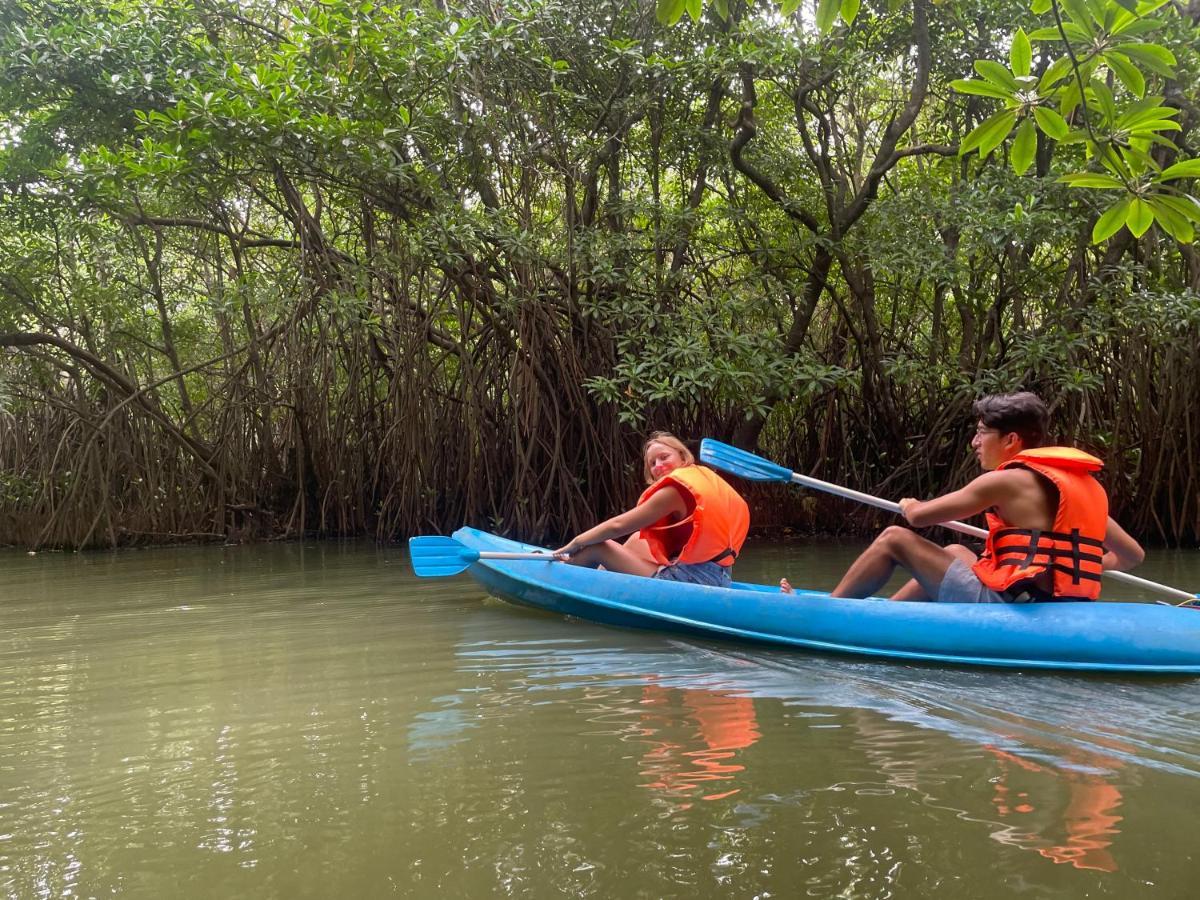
{"x": 785, "y": 586}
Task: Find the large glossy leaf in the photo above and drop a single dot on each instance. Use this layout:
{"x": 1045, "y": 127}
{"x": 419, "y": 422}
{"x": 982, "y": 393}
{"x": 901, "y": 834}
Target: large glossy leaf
{"x": 1020, "y": 54}
{"x": 980, "y": 88}
{"x": 1091, "y": 180}
{"x": 850, "y": 10}
{"x": 694, "y": 9}
{"x": 827, "y": 13}
{"x": 1140, "y": 217}
{"x": 1024, "y": 147}
{"x": 1054, "y": 73}
{"x": 1129, "y": 74}
{"x": 668, "y": 11}
{"x": 997, "y": 74}
{"x": 1112, "y": 220}
{"x": 1074, "y": 33}
{"x": 1079, "y": 13}
{"x": 1171, "y": 221}
{"x": 1186, "y": 205}
{"x": 1155, "y": 58}
{"x": 989, "y": 135}
{"x": 1052, "y": 124}
{"x": 1189, "y": 168}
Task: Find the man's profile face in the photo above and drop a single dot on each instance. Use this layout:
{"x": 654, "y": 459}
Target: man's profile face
{"x": 993, "y": 446}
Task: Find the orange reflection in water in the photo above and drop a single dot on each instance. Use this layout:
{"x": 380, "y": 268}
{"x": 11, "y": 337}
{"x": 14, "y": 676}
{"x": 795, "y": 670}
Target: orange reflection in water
{"x": 1088, "y": 818}
{"x": 718, "y": 725}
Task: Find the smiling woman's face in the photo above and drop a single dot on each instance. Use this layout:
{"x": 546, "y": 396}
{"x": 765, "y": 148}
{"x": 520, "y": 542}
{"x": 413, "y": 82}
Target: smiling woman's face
{"x": 662, "y": 460}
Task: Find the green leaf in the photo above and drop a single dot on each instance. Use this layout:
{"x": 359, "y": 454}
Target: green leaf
{"x": 1024, "y": 147}
{"x": 1129, "y": 74}
{"x": 1171, "y": 221}
{"x": 827, "y": 13}
{"x": 668, "y": 11}
{"x": 694, "y": 9}
{"x": 1187, "y": 205}
{"x": 1074, "y": 33}
{"x": 850, "y": 10}
{"x": 1040, "y": 6}
{"x": 1079, "y": 14}
{"x": 1090, "y": 180}
{"x": 1054, "y": 73}
{"x": 789, "y": 6}
{"x": 1140, "y": 217}
{"x": 1069, "y": 99}
{"x": 1112, "y": 220}
{"x": 989, "y": 134}
{"x": 997, "y": 74}
{"x": 980, "y": 88}
{"x": 1152, "y": 56}
{"x": 1189, "y": 168}
{"x": 723, "y": 8}
{"x": 1020, "y": 54}
{"x": 1104, "y": 99}
{"x": 1052, "y": 124}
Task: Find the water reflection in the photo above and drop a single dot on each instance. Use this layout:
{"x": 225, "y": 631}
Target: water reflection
{"x": 693, "y": 738}
{"x": 1066, "y": 816}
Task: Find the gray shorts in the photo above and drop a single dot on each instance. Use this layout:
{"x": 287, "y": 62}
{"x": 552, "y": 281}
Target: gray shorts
{"x": 709, "y": 573}
{"x": 961, "y": 585}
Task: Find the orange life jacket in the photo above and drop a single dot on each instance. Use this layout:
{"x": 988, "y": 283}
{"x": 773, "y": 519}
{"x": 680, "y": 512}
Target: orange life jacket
{"x": 1073, "y": 550}
{"x": 719, "y": 520}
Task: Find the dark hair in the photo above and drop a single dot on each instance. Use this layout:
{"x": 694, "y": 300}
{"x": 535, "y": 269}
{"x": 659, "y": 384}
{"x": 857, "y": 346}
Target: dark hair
{"x": 1024, "y": 414}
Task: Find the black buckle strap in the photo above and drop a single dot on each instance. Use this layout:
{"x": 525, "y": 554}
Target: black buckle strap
{"x": 1073, "y": 537}
{"x": 728, "y": 552}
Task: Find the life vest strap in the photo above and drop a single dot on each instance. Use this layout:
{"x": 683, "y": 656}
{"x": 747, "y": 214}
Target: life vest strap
{"x": 1050, "y": 552}
{"x": 727, "y": 553}
{"x": 1035, "y": 533}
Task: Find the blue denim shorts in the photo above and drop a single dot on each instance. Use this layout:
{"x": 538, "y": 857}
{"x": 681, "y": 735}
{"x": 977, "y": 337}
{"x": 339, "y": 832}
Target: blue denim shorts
{"x": 961, "y": 585}
{"x": 708, "y": 573}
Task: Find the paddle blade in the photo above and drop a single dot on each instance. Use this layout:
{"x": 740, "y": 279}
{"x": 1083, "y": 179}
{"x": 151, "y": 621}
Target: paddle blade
{"x": 434, "y": 556}
{"x": 740, "y": 463}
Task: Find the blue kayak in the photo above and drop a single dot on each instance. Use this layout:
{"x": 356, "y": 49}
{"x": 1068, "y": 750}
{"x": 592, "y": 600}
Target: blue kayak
{"x": 1092, "y": 637}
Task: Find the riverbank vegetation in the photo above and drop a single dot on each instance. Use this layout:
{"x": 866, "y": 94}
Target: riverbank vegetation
{"x": 339, "y": 268}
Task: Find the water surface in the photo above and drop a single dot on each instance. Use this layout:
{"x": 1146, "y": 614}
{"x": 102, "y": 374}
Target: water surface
{"x": 312, "y": 720}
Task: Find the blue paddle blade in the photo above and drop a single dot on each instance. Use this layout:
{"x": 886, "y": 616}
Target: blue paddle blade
{"x": 740, "y": 463}
{"x": 434, "y": 556}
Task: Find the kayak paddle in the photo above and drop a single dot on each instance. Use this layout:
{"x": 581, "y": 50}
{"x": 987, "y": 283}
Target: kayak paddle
{"x": 755, "y": 468}
{"x": 433, "y": 556}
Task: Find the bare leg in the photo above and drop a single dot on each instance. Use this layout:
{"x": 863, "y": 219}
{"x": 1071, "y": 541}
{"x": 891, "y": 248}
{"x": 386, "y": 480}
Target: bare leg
{"x": 913, "y": 590}
{"x": 895, "y": 546}
{"x": 615, "y": 558}
{"x": 638, "y": 547}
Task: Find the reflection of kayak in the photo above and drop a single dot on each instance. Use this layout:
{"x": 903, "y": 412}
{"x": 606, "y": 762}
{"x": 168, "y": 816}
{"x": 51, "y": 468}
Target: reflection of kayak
{"x": 1103, "y": 637}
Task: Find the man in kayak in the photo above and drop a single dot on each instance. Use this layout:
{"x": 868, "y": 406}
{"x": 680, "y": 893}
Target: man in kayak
{"x": 690, "y": 523}
{"x": 1049, "y": 532}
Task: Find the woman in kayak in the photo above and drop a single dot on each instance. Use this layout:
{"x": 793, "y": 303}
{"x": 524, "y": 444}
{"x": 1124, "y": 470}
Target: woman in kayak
{"x": 690, "y": 524}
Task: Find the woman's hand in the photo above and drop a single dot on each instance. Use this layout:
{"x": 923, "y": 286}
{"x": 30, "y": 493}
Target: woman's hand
{"x": 567, "y": 551}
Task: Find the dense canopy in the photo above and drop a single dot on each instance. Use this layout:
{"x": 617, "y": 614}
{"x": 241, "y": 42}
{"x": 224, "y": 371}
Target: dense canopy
{"x": 280, "y": 268}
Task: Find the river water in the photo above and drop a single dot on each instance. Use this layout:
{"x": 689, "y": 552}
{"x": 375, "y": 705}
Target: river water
{"x": 313, "y": 721}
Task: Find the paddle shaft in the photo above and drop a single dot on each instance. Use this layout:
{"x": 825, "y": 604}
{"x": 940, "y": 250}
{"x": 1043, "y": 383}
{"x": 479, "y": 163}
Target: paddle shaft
{"x": 964, "y": 528}
{"x": 496, "y": 554}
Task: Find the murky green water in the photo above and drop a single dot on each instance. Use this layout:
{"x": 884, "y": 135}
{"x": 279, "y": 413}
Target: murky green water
{"x": 312, "y": 721}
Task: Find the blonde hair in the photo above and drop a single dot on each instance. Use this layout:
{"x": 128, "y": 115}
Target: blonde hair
{"x": 667, "y": 440}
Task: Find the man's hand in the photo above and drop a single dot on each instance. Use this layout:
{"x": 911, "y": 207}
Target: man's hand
{"x": 907, "y": 504}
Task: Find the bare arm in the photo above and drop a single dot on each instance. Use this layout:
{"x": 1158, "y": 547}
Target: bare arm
{"x": 662, "y": 504}
{"x": 983, "y": 493}
{"x": 1121, "y": 552}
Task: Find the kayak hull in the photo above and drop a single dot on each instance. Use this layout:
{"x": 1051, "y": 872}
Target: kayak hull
{"x": 1097, "y": 637}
